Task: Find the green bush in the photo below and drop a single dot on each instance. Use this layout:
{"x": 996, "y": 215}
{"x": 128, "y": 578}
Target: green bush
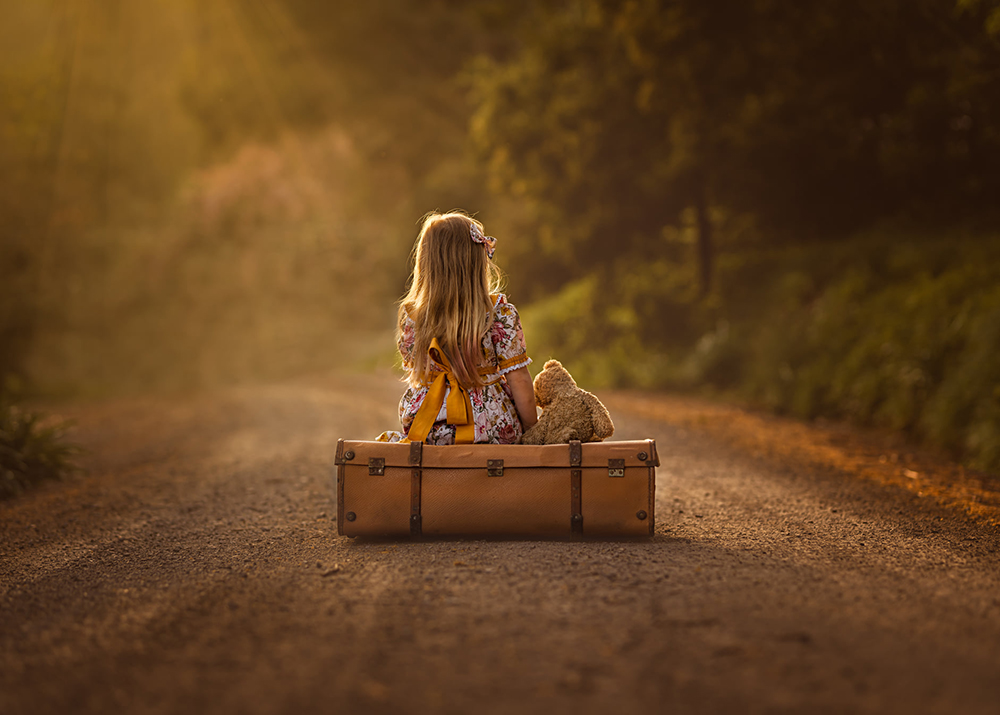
{"x": 31, "y": 451}
{"x": 617, "y": 327}
{"x": 904, "y": 335}
{"x": 907, "y": 347}
{"x": 886, "y": 329}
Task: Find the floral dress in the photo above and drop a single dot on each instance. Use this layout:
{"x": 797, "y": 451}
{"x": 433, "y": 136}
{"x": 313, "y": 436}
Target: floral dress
{"x": 494, "y": 414}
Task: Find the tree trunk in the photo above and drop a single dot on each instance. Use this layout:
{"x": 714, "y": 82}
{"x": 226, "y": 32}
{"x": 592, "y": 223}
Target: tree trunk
{"x": 706, "y": 253}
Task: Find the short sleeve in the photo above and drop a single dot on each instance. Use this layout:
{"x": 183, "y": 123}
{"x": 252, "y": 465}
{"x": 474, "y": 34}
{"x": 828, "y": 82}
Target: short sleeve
{"x": 405, "y": 340}
{"x": 508, "y": 338}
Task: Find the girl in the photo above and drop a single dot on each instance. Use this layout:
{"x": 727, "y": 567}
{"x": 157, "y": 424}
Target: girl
{"x": 461, "y": 343}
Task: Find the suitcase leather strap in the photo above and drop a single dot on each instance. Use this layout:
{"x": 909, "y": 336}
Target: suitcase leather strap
{"x": 575, "y": 484}
{"x": 415, "y": 459}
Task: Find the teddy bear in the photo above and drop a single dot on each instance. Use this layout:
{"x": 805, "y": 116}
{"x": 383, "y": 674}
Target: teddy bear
{"x": 568, "y": 412}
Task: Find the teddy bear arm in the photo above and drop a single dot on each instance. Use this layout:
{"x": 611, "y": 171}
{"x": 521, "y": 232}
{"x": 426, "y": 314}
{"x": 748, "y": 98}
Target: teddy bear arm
{"x": 536, "y": 433}
{"x": 600, "y": 419}
{"x": 565, "y": 435}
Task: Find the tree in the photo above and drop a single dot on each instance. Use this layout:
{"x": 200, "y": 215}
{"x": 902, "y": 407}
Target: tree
{"x": 618, "y": 119}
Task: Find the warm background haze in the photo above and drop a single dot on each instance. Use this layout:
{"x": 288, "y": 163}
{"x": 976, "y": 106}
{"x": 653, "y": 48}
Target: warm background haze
{"x": 791, "y": 203}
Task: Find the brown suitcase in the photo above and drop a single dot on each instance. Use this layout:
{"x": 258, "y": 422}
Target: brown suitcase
{"x": 594, "y": 488}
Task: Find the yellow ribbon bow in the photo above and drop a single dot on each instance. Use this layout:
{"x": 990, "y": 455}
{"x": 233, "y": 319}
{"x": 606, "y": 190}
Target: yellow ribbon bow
{"x": 459, "y": 404}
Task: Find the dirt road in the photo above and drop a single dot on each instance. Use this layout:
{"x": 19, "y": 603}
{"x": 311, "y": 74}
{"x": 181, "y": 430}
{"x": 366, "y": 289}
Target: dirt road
{"x": 196, "y": 569}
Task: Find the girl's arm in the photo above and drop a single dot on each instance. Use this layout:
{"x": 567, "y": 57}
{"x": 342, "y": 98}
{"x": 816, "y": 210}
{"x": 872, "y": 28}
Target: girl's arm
{"x": 524, "y": 396}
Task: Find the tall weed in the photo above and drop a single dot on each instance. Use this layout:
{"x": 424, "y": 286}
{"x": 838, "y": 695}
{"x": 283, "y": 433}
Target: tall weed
{"x": 31, "y": 451}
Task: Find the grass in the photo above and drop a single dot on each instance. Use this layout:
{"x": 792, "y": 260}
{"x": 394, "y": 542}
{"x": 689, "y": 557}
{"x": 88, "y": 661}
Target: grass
{"x": 31, "y": 451}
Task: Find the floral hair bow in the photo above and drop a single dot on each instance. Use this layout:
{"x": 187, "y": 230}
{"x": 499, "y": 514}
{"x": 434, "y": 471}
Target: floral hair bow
{"x": 479, "y": 237}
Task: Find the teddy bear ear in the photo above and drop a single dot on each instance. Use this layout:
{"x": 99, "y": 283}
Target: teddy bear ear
{"x": 551, "y": 364}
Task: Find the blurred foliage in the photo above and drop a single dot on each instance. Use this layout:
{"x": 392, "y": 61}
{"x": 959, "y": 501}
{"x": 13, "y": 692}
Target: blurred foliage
{"x": 661, "y": 147}
{"x": 30, "y": 450}
{"x": 901, "y": 334}
{"x": 616, "y": 118}
{"x": 684, "y": 190}
{"x": 895, "y": 329}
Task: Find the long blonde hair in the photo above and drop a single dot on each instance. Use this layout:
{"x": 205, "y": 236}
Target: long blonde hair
{"x": 450, "y": 296}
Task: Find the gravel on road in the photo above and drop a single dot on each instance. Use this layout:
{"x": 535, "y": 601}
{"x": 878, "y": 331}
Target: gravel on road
{"x": 196, "y": 567}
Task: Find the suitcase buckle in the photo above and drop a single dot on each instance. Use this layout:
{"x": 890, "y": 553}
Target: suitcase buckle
{"x": 376, "y": 466}
{"x": 616, "y": 467}
{"x": 494, "y": 467}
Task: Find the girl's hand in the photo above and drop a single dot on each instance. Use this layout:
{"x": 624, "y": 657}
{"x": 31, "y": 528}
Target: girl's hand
{"x": 524, "y": 396}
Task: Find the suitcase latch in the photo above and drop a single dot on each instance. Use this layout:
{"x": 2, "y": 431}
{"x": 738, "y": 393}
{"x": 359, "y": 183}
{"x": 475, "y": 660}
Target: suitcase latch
{"x": 494, "y": 467}
{"x": 376, "y": 466}
{"x": 616, "y": 467}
